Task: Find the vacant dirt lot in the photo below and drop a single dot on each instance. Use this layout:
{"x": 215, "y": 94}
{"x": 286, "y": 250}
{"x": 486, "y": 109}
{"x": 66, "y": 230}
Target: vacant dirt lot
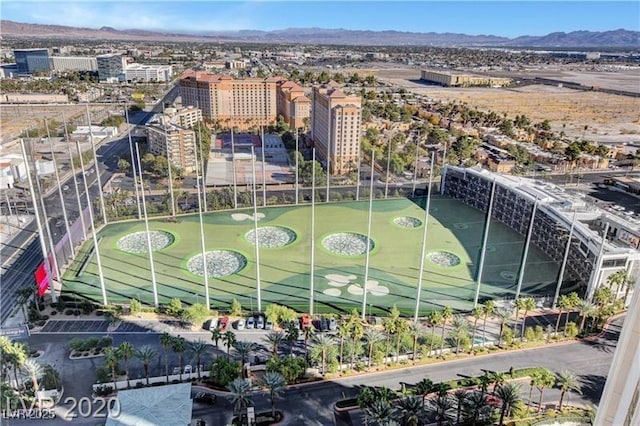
{"x": 16, "y": 118}
{"x": 610, "y": 118}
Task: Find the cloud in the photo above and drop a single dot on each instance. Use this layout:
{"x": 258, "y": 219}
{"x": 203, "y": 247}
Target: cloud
{"x": 161, "y": 15}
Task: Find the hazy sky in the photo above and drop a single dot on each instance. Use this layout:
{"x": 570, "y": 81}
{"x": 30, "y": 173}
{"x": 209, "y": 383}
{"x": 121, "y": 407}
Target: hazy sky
{"x": 505, "y": 18}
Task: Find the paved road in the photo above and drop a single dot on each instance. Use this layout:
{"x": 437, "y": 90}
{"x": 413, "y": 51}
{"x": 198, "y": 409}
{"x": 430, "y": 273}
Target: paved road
{"x": 313, "y": 404}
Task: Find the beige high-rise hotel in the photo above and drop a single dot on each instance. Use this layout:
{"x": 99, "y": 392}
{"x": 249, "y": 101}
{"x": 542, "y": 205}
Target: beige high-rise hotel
{"x": 243, "y": 103}
{"x": 336, "y": 127}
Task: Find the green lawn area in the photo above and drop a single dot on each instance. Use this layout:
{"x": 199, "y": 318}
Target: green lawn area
{"x": 394, "y": 262}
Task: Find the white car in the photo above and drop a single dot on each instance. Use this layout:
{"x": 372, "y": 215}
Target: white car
{"x": 240, "y": 324}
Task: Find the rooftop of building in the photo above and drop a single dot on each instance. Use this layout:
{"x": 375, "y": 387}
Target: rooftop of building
{"x": 565, "y": 204}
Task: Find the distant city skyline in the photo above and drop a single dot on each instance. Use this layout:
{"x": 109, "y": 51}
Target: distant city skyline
{"x": 500, "y": 18}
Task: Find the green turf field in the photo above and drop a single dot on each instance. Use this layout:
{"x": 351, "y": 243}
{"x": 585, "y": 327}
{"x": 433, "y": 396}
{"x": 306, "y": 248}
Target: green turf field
{"x": 394, "y": 262}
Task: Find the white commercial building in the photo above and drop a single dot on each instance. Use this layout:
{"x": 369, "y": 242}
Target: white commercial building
{"x": 98, "y": 133}
{"x": 73, "y": 63}
{"x": 147, "y": 73}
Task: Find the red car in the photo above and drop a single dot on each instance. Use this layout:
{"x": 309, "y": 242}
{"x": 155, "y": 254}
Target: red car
{"x": 305, "y": 322}
{"x": 223, "y": 323}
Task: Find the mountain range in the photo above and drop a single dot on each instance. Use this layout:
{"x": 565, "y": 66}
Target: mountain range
{"x": 619, "y": 38}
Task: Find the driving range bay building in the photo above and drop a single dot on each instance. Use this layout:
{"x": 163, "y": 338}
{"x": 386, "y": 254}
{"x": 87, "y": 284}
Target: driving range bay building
{"x": 566, "y": 226}
{"x": 336, "y": 127}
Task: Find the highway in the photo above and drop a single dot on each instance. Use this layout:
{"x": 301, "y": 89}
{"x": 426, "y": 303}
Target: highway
{"x": 22, "y": 255}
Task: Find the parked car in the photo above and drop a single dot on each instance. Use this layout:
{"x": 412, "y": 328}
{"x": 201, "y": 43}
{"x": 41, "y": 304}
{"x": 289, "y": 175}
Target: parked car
{"x": 212, "y": 324}
{"x": 204, "y": 397}
{"x": 268, "y": 325}
{"x": 260, "y": 323}
{"x": 305, "y": 322}
{"x": 324, "y": 324}
{"x": 240, "y": 324}
{"x": 250, "y": 324}
{"x": 223, "y": 323}
{"x": 187, "y": 369}
{"x": 333, "y": 324}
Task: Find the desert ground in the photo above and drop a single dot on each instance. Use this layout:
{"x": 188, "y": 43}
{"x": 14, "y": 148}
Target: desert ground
{"x": 608, "y": 118}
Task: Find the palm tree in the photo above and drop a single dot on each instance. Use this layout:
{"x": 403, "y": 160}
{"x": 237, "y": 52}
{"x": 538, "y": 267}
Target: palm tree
{"x": 434, "y": 318}
{"x": 165, "y": 341}
{"x": 275, "y": 384}
{"x": 415, "y": 330}
{"x": 476, "y": 406}
{"x": 617, "y": 280}
{"x": 23, "y": 294}
{"x": 423, "y": 388}
{"x": 239, "y": 396}
{"x": 519, "y": 305}
{"x": 498, "y": 378}
{"x": 442, "y": 404}
{"x": 244, "y": 349}
{"x": 292, "y": 335}
{"x": 630, "y": 283}
{"x": 447, "y": 312}
{"x": 380, "y": 412}
{"x": 477, "y": 313}
{"x": 199, "y": 348}
{"x": 323, "y": 343}
{"x": 460, "y": 395}
{"x": 503, "y": 316}
{"x": 126, "y": 352}
{"x": 488, "y": 309}
{"x": 146, "y": 354}
{"x": 307, "y": 334}
{"x": 528, "y": 304}
{"x": 34, "y": 370}
{"x": 459, "y": 330}
{"x": 343, "y": 333}
{"x": 216, "y": 336}
{"x": 572, "y": 301}
{"x": 410, "y": 408}
{"x": 274, "y": 339}
{"x": 542, "y": 379}
{"x": 228, "y": 338}
{"x": 485, "y": 380}
{"x": 179, "y": 345}
{"x": 372, "y": 337}
{"x": 567, "y": 382}
{"x": 563, "y": 304}
{"x": 509, "y": 393}
{"x": 587, "y": 309}
{"x": 111, "y": 360}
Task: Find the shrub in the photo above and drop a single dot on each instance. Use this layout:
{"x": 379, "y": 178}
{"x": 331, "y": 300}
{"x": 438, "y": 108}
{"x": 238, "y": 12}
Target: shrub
{"x": 529, "y": 334}
{"x": 68, "y": 312}
{"x": 507, "y": 337}
{"x": 539, "y": 332}
{"x": 135, "y": 306}
{"x": 103, "y": 375}
{"x": 104, "y": 390}
{"x": 571, "y": 330}
{"x": 87, "y": 307}
{"x": 236, "y": 308}
{"x": 174, "y": 308}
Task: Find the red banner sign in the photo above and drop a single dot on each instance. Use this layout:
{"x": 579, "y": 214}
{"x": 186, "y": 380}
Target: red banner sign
{"x": 42, "y": 281}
